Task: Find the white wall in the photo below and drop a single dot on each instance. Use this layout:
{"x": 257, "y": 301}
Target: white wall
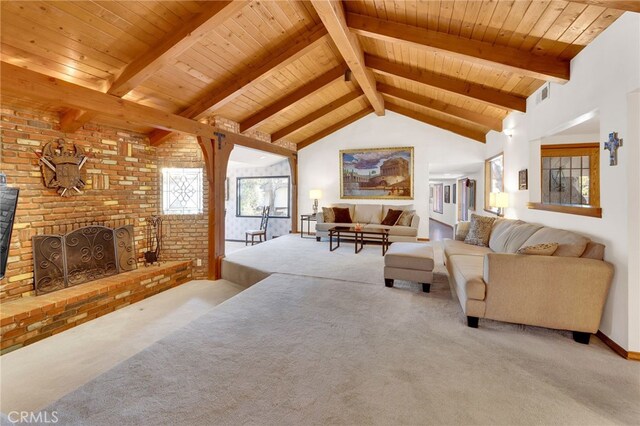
{"x": 603, "y": 77}
{"x": 319, "y": 163}
{"x": 449, "y": 210}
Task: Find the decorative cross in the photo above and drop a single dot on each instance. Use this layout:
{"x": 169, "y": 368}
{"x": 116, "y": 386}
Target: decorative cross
{"x": 612, "y": 145}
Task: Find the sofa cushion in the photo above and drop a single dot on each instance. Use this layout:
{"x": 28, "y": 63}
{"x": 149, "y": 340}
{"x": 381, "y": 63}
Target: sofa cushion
{"x": 406, "y": 218}
{"x": 399, "y": 231}
{"x": 351, "y": 207}
{"x": 416, "y": 256}
{"x": 386, "y": 207}
{"x": 594, "y": 251}
{"x": 467, "y": 271}
{"x": 327, "y": 215}
{"x": 391, "y": 217}
{"x": 570, "y": 244}
{"x": 455, "y": 247}
{"x": 479, "y": 230}
{"x": 342, "y": 215}
{"x": 544, "y": 249}
{"x": 368, "y": 213}
{"x": 507, "y": 236}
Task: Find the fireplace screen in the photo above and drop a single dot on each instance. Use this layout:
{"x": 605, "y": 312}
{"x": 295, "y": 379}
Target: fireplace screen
{"x": 83, "y": 255}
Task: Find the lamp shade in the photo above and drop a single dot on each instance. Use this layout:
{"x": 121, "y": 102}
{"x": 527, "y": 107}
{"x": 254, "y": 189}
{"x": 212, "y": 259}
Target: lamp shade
{"x": 499, "y": 199}
{"x": 314, "y": 194}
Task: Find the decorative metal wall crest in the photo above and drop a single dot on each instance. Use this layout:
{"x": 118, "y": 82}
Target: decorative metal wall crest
{"x": 62, "y": 167}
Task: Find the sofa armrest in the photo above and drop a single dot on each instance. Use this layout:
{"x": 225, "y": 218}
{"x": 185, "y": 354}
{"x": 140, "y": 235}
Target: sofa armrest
{"x": 415, "y": 221}
{"x": 550, "y": 291}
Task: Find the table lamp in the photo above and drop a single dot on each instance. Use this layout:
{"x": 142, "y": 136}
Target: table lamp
{"x": 314, "y": 194}
{"x": 499, "y": 200}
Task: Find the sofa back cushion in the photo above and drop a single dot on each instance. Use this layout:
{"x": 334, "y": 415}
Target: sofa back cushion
{"x": 479, "y": 230}
{"x": 351, "y": 207}
{"x": 570, "y": 244}
{"x": 507, "y": 236}
{"x": 368, "y": 213}
{"x": 594, "y": 251}
{"x": 386, "y": 207}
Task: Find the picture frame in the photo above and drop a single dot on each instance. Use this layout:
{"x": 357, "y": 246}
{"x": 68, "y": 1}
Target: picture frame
{"x": 447, "y": 194}
{"x": 523, "y": 179}
{"x": 453, "y": 193}
{"x": 377, "y": 173}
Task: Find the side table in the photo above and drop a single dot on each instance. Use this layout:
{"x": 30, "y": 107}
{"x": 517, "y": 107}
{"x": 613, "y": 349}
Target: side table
{"x": 311, "y": 217}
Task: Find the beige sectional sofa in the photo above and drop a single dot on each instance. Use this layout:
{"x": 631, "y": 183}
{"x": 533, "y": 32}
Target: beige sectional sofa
{"x": 371, "y": 216}
{"x": 566, "y": 290}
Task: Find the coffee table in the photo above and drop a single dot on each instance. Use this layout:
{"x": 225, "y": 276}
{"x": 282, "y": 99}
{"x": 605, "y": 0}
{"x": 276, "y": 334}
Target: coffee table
{"x": 338, "y": 232}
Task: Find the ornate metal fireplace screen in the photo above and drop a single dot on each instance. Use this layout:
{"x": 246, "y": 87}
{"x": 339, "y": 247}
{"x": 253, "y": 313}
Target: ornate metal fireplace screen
{"x": 83, "y": 255}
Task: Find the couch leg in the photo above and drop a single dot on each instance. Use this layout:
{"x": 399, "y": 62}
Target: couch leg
{"x": 472, "y": 322}
{"x": 426, "y": 287}
{"x": 318, "y": 239}
{"x": 388, "y": 282}
{"x": 581, "y": 337}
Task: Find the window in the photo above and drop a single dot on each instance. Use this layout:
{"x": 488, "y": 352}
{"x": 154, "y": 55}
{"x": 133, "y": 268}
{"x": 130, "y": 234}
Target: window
{"x": 256, "y": 192}
{"x": 437, "y": 198}
{"x": 182, "y": 191}
{"x": 569, "y": 179}
{"x": 493, "y": 179}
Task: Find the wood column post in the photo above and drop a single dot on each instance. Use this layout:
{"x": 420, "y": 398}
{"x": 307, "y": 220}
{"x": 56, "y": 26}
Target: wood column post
{"x": 216, "y": 156}
{"x": 293, "y": 165}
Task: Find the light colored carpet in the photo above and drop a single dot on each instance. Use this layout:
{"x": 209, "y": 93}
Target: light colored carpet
{"x": 304, "y": 350}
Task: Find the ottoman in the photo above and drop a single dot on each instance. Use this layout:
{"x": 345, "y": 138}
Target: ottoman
{"x": 409, "y": 262}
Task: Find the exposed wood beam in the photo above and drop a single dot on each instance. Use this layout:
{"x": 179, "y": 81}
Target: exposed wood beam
{"x": 332, "y": 15}
{"x": 456, "y": 86}
{"x": 334, "y": 128}
{"x": 443, "y": 107}
{"x": 222, "y": 94}
{"x": 315, "y": 115}
{"x": 173, "y": 45}
{"x": 628, "y": 5}
{"x": 17, "y": 81}
{"x": 287, "y": 101}
{"x": 462, "y": 131}
{"x": 163, "y": 53}
{"x": 499, "y": 57}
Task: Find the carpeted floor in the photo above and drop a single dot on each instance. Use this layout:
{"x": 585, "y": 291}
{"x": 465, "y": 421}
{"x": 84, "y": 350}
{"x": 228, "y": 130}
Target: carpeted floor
{"x": 298, "y": 349}
{"x": 302, "y": 350}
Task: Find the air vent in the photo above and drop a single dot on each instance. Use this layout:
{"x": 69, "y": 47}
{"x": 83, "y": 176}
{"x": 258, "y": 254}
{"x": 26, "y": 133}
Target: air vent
{"x": 544, "y": 93}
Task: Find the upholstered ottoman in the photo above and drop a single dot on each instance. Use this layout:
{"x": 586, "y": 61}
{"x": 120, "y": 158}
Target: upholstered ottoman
{"x": 409, "y": 262}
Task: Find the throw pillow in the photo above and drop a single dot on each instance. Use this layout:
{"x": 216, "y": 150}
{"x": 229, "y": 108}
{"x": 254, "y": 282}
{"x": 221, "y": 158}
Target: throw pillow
{"x": 405, "y": 218}
{"x": 342, "y": 215}
{"x": 544, "y": 249}
{"x": 392, "y": 217}
{"x": 479, "y": 230}
{"x": 328, "y": 215}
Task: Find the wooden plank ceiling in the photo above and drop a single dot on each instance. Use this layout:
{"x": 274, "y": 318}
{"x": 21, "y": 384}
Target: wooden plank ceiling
{"x": 300, "y": 70}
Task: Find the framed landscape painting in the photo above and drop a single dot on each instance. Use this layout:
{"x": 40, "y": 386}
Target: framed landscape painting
{"x": 377, "y": 173}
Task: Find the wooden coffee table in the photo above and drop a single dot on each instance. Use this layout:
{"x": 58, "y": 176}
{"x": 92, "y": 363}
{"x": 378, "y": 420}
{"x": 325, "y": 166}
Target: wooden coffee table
{"x": 338, "y": 232}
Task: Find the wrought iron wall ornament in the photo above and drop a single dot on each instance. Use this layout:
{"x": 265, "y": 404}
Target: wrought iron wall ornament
{"x": 62, "y": 167}
{"x": 612, "y": 145}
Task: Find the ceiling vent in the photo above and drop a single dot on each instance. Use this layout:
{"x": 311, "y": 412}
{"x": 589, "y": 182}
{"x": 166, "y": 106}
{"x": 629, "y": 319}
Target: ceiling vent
{"x": 544, "y": 93}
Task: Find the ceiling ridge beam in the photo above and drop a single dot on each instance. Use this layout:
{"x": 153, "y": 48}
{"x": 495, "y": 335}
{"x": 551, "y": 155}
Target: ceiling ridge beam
{"x": 445, "y": 125}
{"x": 473, "y": 91}
{"x": 334, "y": 127}
{"x": 158, "y": 56}
{"x": 503, "y": 58}
{"x": 222, "y": 94}
{"x": 315, "y": 115}
{"x": 443, "y": 107}
{"x": 627, "y": 5}
{"x": 332, "y": 15}
{"x": 297, "y": 95}
{"x": 18, "y": 81}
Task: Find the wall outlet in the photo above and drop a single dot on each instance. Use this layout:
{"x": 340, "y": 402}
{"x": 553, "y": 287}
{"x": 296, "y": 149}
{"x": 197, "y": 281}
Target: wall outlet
{"x": 198, "y": 262}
